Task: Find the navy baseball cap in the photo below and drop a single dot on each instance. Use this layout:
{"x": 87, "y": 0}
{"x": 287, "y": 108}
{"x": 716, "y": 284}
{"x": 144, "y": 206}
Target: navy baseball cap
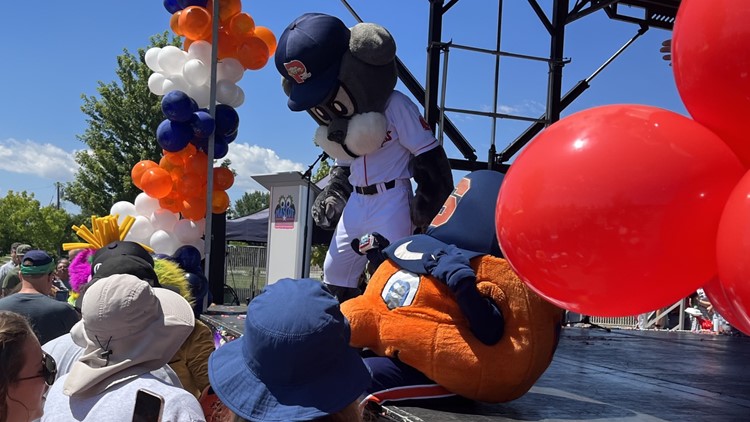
{"x": 466, "y": 220}
{"x": 308, "y": 55}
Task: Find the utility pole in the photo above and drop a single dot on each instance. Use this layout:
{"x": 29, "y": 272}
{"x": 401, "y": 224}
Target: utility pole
{"x": 59, "y": 188}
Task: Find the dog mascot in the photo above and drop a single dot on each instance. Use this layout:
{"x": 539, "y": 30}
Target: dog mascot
{"x": 444, "y": 314}
{"x": 345, "y": 78}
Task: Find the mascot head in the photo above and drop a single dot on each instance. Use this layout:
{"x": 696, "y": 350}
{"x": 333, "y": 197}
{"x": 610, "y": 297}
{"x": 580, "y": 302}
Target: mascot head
{"x": 343, "y": 77}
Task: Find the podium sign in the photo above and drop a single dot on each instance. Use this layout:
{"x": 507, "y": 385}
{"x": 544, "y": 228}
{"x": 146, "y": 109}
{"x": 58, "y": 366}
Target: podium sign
{"x": 290, "y": 224}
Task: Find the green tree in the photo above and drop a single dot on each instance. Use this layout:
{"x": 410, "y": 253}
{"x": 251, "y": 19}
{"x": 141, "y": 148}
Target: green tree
{"x": 251, "y": 203}
{"x": 25, "y": 220}
{"x": 122, "y": 131}
{"x": 318, "y": 254}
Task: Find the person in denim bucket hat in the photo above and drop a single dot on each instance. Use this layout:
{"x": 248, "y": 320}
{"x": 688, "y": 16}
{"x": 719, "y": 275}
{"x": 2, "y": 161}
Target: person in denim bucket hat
{"x": 294, "y": 362}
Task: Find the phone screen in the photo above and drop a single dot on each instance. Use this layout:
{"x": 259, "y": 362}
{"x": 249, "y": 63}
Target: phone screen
{"x": 148, "y": 407}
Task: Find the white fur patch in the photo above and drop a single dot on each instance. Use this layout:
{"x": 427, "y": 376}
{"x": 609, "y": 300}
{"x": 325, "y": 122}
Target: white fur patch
{"x": 331, "y": 148}
{"x": 366, "y": 133}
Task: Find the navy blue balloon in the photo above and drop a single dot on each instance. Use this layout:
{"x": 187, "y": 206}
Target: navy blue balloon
{"x": 198, "y": 289}
{"x": 227, "y": 120}
{"x": 200, "y": 143}
{"x": 227, "y": 139}
{"x": 188, "y": 257}
{"x": 220, "y": 149}
{"x": 173, "y": 136}
{"x": 172, "y": 6}
{"x": 203, "y": 124}
{"x": 177, "y": 106}
{"x": 188, "y": 3}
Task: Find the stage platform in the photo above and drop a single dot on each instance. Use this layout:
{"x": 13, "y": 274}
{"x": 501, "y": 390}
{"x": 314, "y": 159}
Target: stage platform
{"x": 622, "y": 375}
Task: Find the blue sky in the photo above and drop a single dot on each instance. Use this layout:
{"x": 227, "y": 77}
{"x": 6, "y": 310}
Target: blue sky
{"x": 53, "y": 52}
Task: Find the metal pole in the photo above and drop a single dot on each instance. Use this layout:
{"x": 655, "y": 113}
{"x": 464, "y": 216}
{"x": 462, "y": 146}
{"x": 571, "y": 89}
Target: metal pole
{"x": 210, "y": 153}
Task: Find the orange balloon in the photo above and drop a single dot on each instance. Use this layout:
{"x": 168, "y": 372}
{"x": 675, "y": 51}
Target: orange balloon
{"x": 253, "y": 53}
{"x": 156, "y": 182}
{"x": 227, "y": 9}
{"x": 268, "y": 37}
{"x": 195, "y": 22}
{"x": 174, "y": 23}
{"x": 241, "y": 26}
{"x": 219, "y": 202}
{"x": 177, "y": 174}
{"x": 193, "y": 208}
{"x": 197, "y": 163}
{"x": 191, "y": 185}
{"x": 223, "y": 178}
{"x": 138, "y": 169}
{"x": 171, "y": 161}
{"x": 227, "y": 45}
{"x": 171, "y": 202}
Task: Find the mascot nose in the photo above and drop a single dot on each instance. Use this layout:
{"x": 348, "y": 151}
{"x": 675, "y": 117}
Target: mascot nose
{"x": 337, "y": 136}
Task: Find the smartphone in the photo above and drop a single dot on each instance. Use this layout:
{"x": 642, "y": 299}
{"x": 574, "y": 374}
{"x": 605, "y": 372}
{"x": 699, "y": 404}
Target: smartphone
{"x": 148, "y": 406}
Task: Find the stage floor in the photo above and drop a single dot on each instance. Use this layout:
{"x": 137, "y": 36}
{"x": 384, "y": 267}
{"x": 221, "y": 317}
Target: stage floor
{"x": 624, "y": 375}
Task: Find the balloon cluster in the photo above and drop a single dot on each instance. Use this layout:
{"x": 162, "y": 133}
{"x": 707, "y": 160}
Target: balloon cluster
{"x": 623, "y": 209}
{"x": 157, "y": 227}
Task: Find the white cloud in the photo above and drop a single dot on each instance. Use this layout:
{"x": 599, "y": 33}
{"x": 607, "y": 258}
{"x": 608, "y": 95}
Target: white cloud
{"x": 249, "y": 160}
{"x": 39, "y": 159}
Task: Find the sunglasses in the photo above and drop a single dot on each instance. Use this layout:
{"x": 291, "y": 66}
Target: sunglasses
{"x": 49, "y": 370}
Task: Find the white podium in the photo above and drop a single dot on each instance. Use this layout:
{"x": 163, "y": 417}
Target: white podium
{"x": 290, "y": 224}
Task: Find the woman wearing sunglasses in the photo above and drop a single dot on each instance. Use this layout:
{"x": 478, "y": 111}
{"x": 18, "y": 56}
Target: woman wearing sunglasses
{"x": 25, "y": 371}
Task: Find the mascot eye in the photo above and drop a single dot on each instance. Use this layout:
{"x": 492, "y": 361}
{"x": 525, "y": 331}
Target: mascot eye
{"x": 321, "y": 113}
{"x": 340, "y": 108}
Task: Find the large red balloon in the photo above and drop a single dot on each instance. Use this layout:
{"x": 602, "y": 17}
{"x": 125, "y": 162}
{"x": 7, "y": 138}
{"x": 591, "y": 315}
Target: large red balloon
{"x": 711, "y": 61}
{"x": 613, "y": 211}
{"x": 725, "y": 306}
{"x": 732, "y": 251}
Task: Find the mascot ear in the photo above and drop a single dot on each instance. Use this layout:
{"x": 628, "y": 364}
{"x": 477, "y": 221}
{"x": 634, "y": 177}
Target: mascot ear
{"x": 372, "y": 44}
{"x": 286, "y": 86}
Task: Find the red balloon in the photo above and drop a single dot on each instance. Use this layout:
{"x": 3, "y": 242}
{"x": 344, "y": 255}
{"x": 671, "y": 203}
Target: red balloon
{"x": 726, "y": 307}
{"x": 710, "y": 63}
{"x": 732, "y": 248}
{"x": 613, "y": 211}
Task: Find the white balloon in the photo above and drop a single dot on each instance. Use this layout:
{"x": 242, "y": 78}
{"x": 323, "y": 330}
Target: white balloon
{"x": 200, "y": 50}
{"x": 196, "y": 72}
{"x": 201, "y": 225}
{"x": 239, "y": 99}
{"x": 152, "y": 59}
{"x": 186, "y": 231}
{"x": 229, "y": 69}
{"x": 226, "y": 92}
{"x": 171, "y": 59}
{"x": 141, "y": 230}
{"x": 175, "y": 83}
{"x": 156, "y": 83}
{"x": 145, "y": 205}
{"x": 163, "y": 242}
{"x": 164, "y": 219}
{"x": 122, "y": 209}
{"x": 201, "y": 95}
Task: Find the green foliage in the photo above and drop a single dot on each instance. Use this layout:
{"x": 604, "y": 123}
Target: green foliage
{"x": 251, "y": 203}
{"x": 122, "y": 131}
{"x": 25, "y": 220}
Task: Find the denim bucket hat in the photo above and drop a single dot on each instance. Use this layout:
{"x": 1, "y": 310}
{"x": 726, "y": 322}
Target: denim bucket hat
{"x": 294, "y": 361}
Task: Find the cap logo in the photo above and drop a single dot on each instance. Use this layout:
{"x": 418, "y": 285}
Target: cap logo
{"x": 297, "y": 71}
{"x": 449, "y": 207}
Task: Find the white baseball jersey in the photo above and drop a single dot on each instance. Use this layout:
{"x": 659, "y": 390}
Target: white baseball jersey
{"x": 386, "y": 212}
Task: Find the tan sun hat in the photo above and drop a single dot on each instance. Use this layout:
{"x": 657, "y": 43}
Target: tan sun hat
{"x": 127, "y": 329}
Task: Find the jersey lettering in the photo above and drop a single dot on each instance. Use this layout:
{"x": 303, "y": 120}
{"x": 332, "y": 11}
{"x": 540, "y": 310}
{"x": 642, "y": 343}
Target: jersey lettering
{"x": 449, "y": 207}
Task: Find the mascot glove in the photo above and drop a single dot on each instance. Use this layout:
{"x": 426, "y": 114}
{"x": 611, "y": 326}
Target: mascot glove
{"x": 450, "y": 266}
